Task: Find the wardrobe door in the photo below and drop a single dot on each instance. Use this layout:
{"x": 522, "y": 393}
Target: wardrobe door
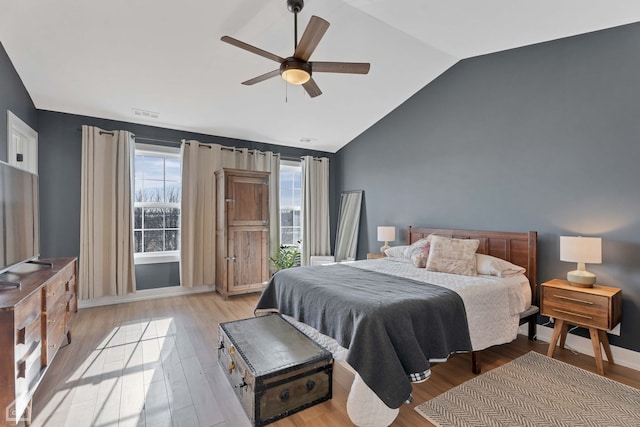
{"x": 248, "y": 200}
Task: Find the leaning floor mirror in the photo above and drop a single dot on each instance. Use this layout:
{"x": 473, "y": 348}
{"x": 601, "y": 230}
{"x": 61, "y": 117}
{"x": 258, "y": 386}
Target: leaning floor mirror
{"x": 348, "y": 224}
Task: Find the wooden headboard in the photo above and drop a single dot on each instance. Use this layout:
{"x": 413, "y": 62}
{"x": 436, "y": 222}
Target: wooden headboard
{"x": 517, "y": 248}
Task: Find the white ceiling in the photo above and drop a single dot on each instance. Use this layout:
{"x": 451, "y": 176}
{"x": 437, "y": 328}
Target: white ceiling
{"x": 104, "y": 58}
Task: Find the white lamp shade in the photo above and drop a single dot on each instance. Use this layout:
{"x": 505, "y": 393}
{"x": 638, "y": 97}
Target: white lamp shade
{"x": 581, "y": 249}
{"x": 386, "y": 233}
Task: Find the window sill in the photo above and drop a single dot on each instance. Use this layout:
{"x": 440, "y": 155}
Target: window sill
{"x": 151, "y": 258}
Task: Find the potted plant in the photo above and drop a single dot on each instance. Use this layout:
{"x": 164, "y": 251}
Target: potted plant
{"x": 287, "y": 257}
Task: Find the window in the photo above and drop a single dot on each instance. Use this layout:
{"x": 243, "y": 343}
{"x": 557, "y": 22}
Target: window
{"x": 290, "y": 202}
{"x": 156, "y": 208}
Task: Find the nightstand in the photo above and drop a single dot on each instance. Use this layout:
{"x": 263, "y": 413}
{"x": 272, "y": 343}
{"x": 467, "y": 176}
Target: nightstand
{"x": 599, "y": 309}
{"x": 375, "y": 255}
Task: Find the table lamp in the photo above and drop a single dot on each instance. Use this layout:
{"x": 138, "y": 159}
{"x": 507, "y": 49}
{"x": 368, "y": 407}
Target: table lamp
{"x": 386, "y": 234}
{"x": 583, "y": 250}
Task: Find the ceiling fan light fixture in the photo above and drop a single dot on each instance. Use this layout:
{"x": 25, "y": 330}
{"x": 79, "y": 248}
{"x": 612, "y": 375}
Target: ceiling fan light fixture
{"x": 295, "y": 71}
{"x": 296, "y": 77}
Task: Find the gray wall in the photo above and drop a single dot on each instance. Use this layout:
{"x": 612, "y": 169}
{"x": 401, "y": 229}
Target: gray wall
{"x": 14, "y": 97}
{"x": 60, "y": 170}
{"x": 545, "y": 138}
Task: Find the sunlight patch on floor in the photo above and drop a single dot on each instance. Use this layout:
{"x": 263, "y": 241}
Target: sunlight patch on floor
{"x": 143, "y": 373}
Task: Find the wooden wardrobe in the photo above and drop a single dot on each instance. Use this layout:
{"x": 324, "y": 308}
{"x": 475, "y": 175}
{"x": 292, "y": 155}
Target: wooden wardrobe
{"x": 242, "y": 231}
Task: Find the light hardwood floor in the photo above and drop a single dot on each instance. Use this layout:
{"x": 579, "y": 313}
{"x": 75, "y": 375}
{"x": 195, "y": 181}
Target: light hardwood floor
{"x": 153, "y": 363}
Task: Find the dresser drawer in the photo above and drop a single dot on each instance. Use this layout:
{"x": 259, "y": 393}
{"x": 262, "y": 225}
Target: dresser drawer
{"x": 55, "y": 293}
{"x": 28, "y": 370}
{"x": 71, "y": 308}
{"x": 25, "y": 336}
{"x": 70, "y": 286}
{"x": 577, "y": 307}
{"x": 55, "y": 336}
{"x": 28, "y": 311}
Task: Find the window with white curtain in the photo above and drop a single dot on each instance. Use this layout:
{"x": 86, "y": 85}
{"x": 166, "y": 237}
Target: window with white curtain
{"x": 290, "y": 202}
{"x": 156, "y": 208}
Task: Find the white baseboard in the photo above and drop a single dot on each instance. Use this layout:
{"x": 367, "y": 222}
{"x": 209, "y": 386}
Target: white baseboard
{"x": 147, "y": 294}
{"x": 622, "y": 356}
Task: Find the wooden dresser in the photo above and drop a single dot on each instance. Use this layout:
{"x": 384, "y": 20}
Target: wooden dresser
{"x": 242, "y": 231}
{"x": 35, "y": 320}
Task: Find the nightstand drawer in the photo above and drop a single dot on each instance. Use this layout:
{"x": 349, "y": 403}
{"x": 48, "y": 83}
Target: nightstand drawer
{"x": 598, "y": 307}
{"x": 576, "y": 307}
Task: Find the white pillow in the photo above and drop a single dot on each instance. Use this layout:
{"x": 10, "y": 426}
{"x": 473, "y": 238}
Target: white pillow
{"x": 396, "y": 251}
{"x": 455, "y": 256}
{"x": 490, "y": 265}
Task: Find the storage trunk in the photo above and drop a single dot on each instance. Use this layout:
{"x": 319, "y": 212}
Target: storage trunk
{"x": 274, "y": 369}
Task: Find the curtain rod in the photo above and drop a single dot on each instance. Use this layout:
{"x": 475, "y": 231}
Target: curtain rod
{"x": 143, "y": 138}
{"x": 199, "y": 145}
{"x": 208, "y": 145}
{"x": 157, "y": 140}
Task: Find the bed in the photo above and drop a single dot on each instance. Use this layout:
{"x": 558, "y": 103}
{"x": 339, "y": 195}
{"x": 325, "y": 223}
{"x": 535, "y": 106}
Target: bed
{"x": 389, "y": 313}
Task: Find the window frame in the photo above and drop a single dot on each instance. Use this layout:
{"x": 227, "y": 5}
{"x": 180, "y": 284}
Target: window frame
{"x": 297, "y": 164}
{"x": 141, "y": 258}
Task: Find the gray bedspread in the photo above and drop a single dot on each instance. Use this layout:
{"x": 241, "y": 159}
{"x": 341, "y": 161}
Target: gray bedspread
{"x": 391, "y": 326}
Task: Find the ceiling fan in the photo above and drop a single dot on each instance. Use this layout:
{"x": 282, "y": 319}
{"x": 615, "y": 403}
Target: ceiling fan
{"x": 297, "y": 69}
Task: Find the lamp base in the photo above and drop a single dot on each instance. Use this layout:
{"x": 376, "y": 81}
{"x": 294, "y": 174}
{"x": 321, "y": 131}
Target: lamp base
{"x": 385, "y": 247}
{"x": 581, "y": 278}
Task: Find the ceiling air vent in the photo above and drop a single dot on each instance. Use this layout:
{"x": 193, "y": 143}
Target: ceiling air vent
{"x": 145, "y": 114}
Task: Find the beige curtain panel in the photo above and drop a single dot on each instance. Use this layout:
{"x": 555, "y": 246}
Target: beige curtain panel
{"x": 197, "y": 213}
{"x": 106, "y": 265}
{"x": 315, "y": 208}
{"x": 198, "y": 208}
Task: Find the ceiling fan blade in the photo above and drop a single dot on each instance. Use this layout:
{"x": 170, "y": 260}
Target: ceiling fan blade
{"x": 312, "y": 88}
{"x": 341, "y": 67}
{"x": 262, "y": 77}
{"x": 252, "y": 49}
{"x": 310, "y": 38}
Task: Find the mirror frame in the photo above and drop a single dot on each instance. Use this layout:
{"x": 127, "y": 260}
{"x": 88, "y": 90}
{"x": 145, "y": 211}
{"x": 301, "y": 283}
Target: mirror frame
{"x": 346, "y": 245}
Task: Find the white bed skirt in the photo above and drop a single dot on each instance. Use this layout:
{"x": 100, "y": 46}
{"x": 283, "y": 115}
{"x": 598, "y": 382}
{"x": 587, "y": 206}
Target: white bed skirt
{"x": 364, "y": 407}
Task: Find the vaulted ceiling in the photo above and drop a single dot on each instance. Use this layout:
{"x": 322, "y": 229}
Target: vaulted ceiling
{"x": 165, "y": 58}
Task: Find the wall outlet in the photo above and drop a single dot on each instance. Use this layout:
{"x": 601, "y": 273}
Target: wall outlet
{"x": 616, "y": 330}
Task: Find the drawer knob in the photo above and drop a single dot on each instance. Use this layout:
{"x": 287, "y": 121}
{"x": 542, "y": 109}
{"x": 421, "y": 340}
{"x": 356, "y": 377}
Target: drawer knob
{"x": 51, "y": 294}
{"x": 52, "y": 346}
{"x": 284, "y": 395}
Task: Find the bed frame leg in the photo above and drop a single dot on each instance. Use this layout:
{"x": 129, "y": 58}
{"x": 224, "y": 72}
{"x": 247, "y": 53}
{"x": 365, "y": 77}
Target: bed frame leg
{"x": 475, "y": 365}
{"x": 533, "y": 329}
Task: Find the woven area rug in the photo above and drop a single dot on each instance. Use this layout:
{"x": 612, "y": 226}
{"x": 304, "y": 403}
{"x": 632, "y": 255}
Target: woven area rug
{"x": 535, "y": 390}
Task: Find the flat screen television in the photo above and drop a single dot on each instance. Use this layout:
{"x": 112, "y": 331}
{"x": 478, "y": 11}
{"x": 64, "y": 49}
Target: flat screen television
{"x": 19, "y": 217}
